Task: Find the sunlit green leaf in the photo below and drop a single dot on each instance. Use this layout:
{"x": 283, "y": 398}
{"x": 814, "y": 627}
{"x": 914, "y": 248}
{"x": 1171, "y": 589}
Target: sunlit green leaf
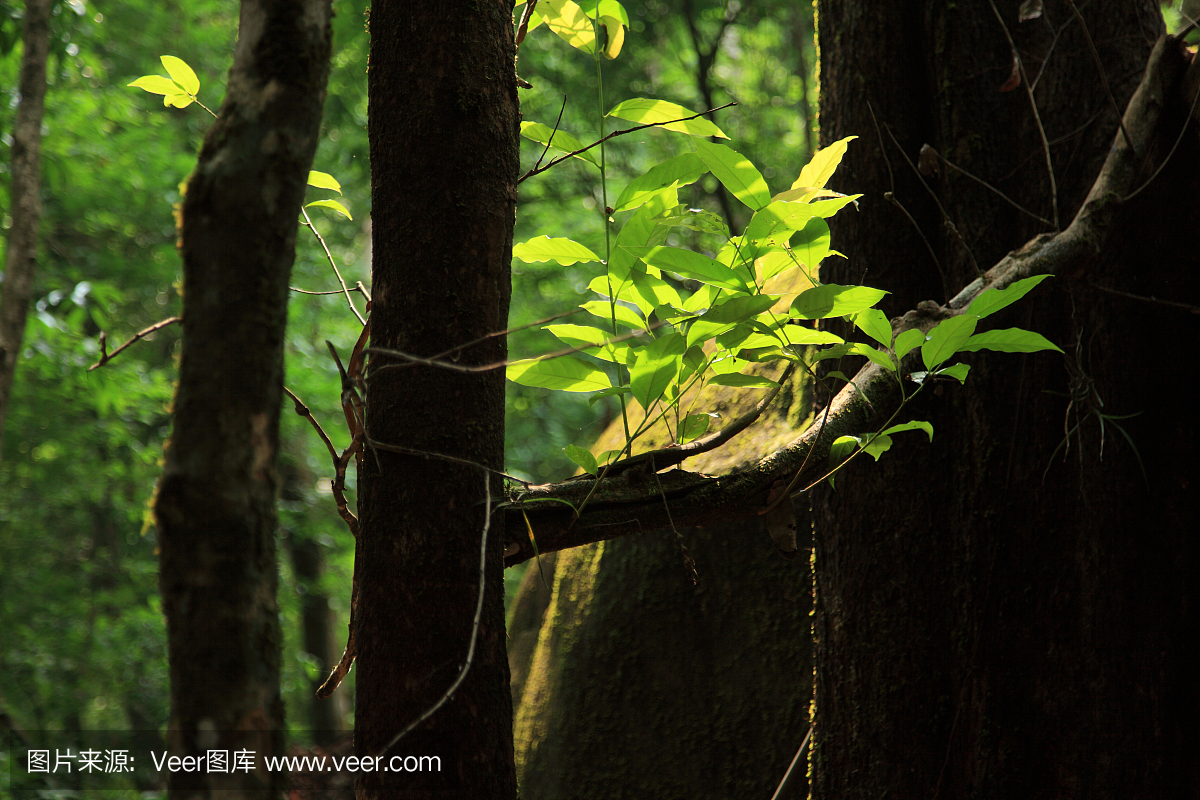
{"x": 736, "y": 173}
{"x": 907, "y": 340}
{"x": 874, "y": 323}
{"x": 656, "y": 368}
{"x": 1009, "y": 340}
{"x": 947, "y": 339}
{"x": 737, "y": 379}
{"x": 832, "y": 300}
{"x": 568, "y": 21}
{"x": 817, "y": 172}
{"x": 624, "y": 314}
{"x": 645, "y": 111}
{"x": 875, "y": 356}
{"x": 691, "y": 264}
{"x": 694, "y": 426}
{"x": 558, "y": 140}
{"x": 958, "y": 371}
{"x": 992, "y": 300}
{"x": 543, "y": 248}
{"x": 582, "y": 458}
{"x": 678, "y": 171}
{"x": 181, "y": 73}
{"x": 333, "y": 204}
{"x": 914, "y": 425}
{"x": 323, "y": 180}
{"x": 567, "y": 374}
{"x": 156, "y": 84}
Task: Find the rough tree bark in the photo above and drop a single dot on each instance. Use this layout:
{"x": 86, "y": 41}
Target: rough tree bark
{"x": 982, "y": 630}
{"x": 25, "y": 205}
{"x": 443, "y": 132}
{"x": 216, "y": 499}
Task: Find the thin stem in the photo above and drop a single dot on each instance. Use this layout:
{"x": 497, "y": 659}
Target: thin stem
{"x": 333, "y": 264}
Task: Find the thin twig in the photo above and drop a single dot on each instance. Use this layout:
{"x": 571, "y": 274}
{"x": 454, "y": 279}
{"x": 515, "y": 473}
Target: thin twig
{"x": 1103, "y": 78}
{"x": 411, "y": 359}
{"x": 1194, "y": 309}
{"x": 462, "y": 674}
{"x": 557, "y": 122}
{"x": 615, "y": 134}
{"x": 1186, "y": 122}
{"x": 358, "y": 288}
{"x": 949, "y": 223}
{"x": 891, "y": 198}
{"x": 987, "y": 185}
{"x": 408, "y": 451}
{"x": 1036, "y": 116}
{"x": 332, "y": 263}
{"x": 105, "y": 356}
{"x": 688, "y": 561}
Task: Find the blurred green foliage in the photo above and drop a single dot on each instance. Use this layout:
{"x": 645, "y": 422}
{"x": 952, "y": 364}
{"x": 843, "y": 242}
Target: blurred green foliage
{"x": 82, "y": 639}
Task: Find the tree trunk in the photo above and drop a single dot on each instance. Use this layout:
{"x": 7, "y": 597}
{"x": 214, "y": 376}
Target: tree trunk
{"x": 25, "y": 204}
{"x": 443, "y": 130}
{"x": 993, "y": 620}
{"x": 216, "y": 500}
{"x": 642, "y": 684}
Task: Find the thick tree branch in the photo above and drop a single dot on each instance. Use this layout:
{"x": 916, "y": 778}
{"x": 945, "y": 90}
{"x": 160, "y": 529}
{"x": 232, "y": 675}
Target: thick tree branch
{"x": 633, "y": 503}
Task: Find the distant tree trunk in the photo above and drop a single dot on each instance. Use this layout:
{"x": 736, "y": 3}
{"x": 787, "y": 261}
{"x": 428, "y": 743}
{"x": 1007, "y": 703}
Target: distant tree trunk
{"x": 25, "y": 204}
{"x": 216, "y": 499}
{"x": 994, "y": 620}
{"x": 443, "y": 130}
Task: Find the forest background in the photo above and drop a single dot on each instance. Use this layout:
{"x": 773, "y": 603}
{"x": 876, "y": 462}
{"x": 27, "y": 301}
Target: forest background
{"x": 83, "y": 641}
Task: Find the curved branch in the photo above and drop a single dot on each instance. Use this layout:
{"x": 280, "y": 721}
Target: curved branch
{"x": 633, "y": 503}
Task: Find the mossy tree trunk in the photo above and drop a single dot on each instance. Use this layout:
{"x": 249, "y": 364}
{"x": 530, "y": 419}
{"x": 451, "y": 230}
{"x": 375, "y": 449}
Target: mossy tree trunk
{"x": 443, "y": 131}
{"x": 994, "y": 619}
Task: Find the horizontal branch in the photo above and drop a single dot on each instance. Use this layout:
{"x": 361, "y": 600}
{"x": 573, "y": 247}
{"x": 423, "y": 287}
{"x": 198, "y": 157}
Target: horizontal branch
{"x": 633, "y": 501}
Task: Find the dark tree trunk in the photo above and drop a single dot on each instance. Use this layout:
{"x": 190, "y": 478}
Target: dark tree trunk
{"x": 216, "y": 499}
{"x": 982, "y": 631}
{"x": 25, "y": 205}
{"x": 443, "y": 130}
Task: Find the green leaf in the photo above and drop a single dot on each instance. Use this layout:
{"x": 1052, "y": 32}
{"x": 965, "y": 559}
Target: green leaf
{"x": 558, "y": 140}
{"x": 640, "y": 230}
{"x": 694, "y": 426}
{"x": 566, "y": 374}
{"x": 821, "y": 167}
{"x": 178, "y": 100}
{"x": 609, "y": 455}
{"x": 616, "y": 36}
{"x": 543, "y": 248}
{"x": 793, "y": 335}
{"x": 874, "y": 323}
{"x": 907, "y": 340}
{"x": 182, "y": 74}
{"x": 156, "y": 84}
{"x": 645, "y": 111}
{"x": 608, "y": 393}
{"x": 1009, "y": 340}
{"x": 656, "y": 367}
{"x": 678, "y": 171}
{"x": 811, "y": 245}
{"x": 736, "y": 173}
{"x": 958, "y": 371}
{"x": 832, "y": 300}
{"x": 578, "y": 334}
{"x": 737, "y": 379}
{"x": 740, "y": 308}
{"x": 568, "y": 21}
{"x": 691, "y": 265}
{"x": 914, "y": 425}
{"x": 624, "y": 314}
{"x": 696, "y": 219}
{"x": 877, "y": 445}
{"x": 878, "y": 357}
{"x": 651, "y": 293}
{"x": 583, "y": 458}
{"x": 334, "y": 204}
{"x": 782, "y": 216}
{"x": 947, "y": 339}
{"x": 323, "y": 180}
{"x": 993, "y": 300}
